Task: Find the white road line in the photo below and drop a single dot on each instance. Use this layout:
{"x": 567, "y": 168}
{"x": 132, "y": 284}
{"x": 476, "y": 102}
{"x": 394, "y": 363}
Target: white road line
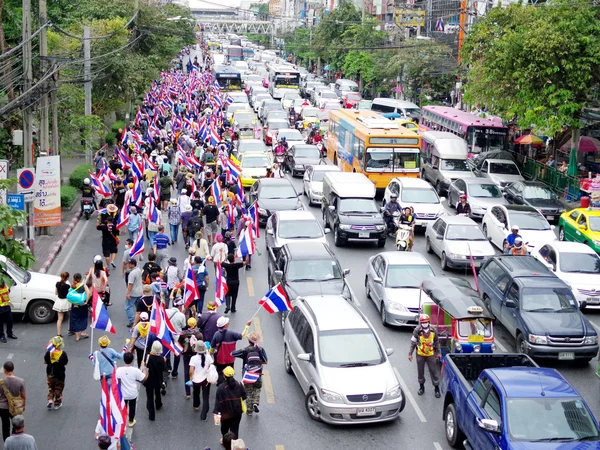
{"x": 410, "y": 397}
{"x": 500, "y": 346}
{"x": 437, "y": 446}
{"x": 73, "y": 247}
{"x": 10, "y": 356}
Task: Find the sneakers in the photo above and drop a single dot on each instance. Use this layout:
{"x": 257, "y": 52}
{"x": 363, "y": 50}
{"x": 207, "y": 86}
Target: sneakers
{"x": 437, "y": 392}
{"x": 132, "y": 423}
{"x": 58, "y": 406}
{"x": 113, "y": 265}
{"x": 255, "y": 408}
{"x": 421, "y": 389}
{"x": 49, "y": 405}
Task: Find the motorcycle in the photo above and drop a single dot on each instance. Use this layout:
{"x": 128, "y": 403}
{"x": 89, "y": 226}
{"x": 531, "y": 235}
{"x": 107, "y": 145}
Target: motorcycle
{"x": 279, "y": 158}
{"x": 392, "y": 225}
{"x": 322, "y": 149}
{"x": 403, "y": 238}
{"x": 86, "y": 206}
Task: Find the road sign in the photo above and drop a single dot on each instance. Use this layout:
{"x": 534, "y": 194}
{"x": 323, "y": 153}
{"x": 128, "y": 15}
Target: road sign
{"x": 26, "y": 178}
{"x": 3, "y": 176}
{"x": 16, "y": 201}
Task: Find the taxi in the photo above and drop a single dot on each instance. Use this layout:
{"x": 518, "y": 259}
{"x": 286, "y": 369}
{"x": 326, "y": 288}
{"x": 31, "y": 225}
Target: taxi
{"x": 310, "y": 116}
{"x": 254, "y": 166}
{"x": 581, "y": 225}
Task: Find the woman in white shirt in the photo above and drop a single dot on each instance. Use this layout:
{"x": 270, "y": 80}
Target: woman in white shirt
{"x": 200, "y": 246}
{"x": 199, "y": 365}
{"x": 219, "y": 251}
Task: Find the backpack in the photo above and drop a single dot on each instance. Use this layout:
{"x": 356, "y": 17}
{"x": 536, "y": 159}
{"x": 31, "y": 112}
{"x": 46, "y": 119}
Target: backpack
{"x": 16, "y": 404}
{"x": 254, "y": 360}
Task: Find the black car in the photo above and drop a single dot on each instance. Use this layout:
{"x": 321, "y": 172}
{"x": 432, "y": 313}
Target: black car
{"x": 273, "y": 194}
{"x": 307, "y": 268}
{"x": 536, "y": 195}
{"x": 300, "y": 156}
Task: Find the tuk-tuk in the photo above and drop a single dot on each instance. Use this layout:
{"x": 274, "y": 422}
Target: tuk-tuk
{"x": 461, "y": 319}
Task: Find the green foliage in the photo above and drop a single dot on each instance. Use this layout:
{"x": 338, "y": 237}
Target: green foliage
{"x": 118, "y": 125}
{"x": 538, "y": 64}
{"x": 68, "y": 194}
{"x": 10, "y": 247}
{"x": 79, "y": 174}
{"x": 262, "y": 9}
{"x": 110, "y": 138}
{"x": 261, "y": 39}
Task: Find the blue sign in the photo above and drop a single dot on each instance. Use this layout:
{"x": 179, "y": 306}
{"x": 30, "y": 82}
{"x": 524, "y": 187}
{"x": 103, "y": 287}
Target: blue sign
{"x": 16, "y": 201}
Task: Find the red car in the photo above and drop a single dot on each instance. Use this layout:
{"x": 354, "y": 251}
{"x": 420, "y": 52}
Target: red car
{"x": 351, "y": 99}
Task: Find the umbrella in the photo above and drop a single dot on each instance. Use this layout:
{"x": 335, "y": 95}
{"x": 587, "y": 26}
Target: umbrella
{"x": 586, "y": 144}
{"x": 529, "y": 139}
{"x": 572, "y": 163}
{"x": 326, "y": 68}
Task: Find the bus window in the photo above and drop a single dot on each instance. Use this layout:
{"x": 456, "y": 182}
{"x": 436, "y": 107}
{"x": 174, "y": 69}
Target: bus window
{"x": 391, "y": 159}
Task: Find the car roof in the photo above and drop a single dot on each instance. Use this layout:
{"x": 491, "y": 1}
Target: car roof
{"x": 404, "y": 258}
{"x": 271, "y": 121}
{"x": 593, "y": 212}
{"x": 251, "y": 141}
{"x": 308, "y": 250}
{"x": 325, "y": 167}
{"x": 334, "y": 312}
{"x": 524, "y": 266}
{"x": 476, "y": 180}
{"x": 303, "y": 145}
{"x": 575, "y": 247}
{"x": 458, "y": 220}
{"x": 276, "y": 181}
{"x": 413, "y": 183}
{"x": 253, "y": 154}
{"x": 530, "y": 382}
{"x": 295, "y": 215}
{"x": 287, "y": 130}
{"x": 501, "y": 160}
{"x": 520, "y": 208}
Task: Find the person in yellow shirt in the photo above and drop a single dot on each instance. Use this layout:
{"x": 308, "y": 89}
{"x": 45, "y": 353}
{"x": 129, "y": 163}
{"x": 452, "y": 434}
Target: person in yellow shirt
{"x": 425, "y": 341}
{"x": 5, "y": 313}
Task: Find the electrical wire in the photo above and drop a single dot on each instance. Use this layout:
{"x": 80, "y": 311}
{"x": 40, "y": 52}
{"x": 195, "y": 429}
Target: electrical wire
{"x": 106, "y": 36}
{"x": 14, "y": 49}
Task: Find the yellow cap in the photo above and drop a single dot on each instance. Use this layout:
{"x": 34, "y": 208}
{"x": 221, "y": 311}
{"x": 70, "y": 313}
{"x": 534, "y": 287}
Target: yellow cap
{"x": 228, "y": 372}
{"x": 192, "y": 322}
{"x": 104, "y": 341}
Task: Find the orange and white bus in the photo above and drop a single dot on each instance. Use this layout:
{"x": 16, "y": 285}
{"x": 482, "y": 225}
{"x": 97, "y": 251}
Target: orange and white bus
{"x": 364, "y": 141}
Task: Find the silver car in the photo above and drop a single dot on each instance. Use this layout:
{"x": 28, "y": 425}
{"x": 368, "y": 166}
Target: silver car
{"x": 340, "y": 363}
{"x": 455, "y": 239}
{"x": 251, "y": 145}
{"x": 481, "y": 194}
{"x": 393, "y": 283}
{"x": 313, "y": 182}
{"x": 284, "y": 227}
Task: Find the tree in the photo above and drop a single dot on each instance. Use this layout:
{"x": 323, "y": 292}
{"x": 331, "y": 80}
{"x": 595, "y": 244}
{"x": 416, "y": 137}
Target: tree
{"x": 538, "y": 64}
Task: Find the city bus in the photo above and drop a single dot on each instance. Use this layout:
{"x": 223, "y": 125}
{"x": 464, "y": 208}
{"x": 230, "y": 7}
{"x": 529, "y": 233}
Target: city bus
{"x": 229, "y": 78}
{"x": 481, "y": 134}
{"x": 248, "y": 53}
{"x": 235, "y": 53}
{"x": 283, "y": 79}
{"x": 366, "y": 142}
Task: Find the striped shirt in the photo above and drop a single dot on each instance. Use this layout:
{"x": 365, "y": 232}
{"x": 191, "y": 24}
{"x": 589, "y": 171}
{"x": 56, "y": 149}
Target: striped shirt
{"x": 161, "y": 241}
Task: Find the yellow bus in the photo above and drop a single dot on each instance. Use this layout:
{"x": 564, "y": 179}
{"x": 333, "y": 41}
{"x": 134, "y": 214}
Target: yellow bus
{"x": 365, "y": 142}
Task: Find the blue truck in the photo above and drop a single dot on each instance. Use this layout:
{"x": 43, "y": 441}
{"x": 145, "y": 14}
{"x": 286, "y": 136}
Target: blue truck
{"x": 507, "y": 402}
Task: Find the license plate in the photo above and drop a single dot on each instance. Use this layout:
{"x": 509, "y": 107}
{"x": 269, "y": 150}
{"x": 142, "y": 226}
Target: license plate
{"x": 549, "y": 217}
{"x": 363, "y": 235}
{"x": 566, "y": 355}
{"x": 592, "y": 300}
{"x": 476, "y": 338}
{"x": 86, "y": 207}
{"x": 361, "y": 412}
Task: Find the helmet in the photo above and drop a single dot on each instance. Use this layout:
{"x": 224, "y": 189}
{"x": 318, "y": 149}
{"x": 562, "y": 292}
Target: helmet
{"x": 423, "y": 318}
{"x": 463, "y": 196}
{"x": 518, "y": 242}
{"x": 86, "y": 181}
{"x": 283, "y": 139}
{"x": 392, "y": 195}
{"x": 97, "y": 258}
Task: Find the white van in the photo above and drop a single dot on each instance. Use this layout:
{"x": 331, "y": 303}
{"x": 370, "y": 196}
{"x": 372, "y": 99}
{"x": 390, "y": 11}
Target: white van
{"x": 407, "y": 110}
{"x": 343, "y": 86}
{"x": 444, "y": 159}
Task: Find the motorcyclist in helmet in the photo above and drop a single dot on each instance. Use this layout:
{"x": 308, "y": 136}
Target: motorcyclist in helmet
{"x": 87, "y": 192}
{"x": 518, "y": 249}
{"x": 463, "y": 207}
{"x": 390, "y": 208}
{"x": 280, "y": 148}
{"x": 284, "y": 143}
{"x": 407, "y": 218}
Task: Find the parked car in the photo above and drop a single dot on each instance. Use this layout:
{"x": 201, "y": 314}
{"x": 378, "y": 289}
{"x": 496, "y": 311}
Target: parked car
{"x": 537, "y": 195}
{"x": 284, "y": 227}
{"x": 581, "y": 225}
{"x": 313, "y": 181}
{"x": 341, "y": 385}
{"x": 393, "y": 283}
{"x": 576, "y": 264}
{"x": 535, "y": 230}
{"x": 481, "y": 194}
{"x": 32, "y": 293}
{"x": 501, "y": 171}
{"x": 537, "y": 308}
{"x": 300, "y": 156}
{"x": 507, "y": 402}
{"x": 273, "y": 194}
{"x": 457, "y": 239}
{"x": 420, "y": 195}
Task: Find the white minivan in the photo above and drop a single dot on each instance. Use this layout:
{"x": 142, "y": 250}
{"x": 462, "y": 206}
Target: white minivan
{"x": 407, "y": 110}
{"x": 444, "y": 159}
{"x": 343, "y": 86}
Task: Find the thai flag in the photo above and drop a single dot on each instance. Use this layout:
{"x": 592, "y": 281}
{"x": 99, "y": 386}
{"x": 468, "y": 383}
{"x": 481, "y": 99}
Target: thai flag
{"x": 214, "y": 136}
{"x": 100, "y": 319}
{"x": 156, "y": 191}
{"x": 124, "y": 158}
{"x": 98, "y": 186}
{"x": 91, "y": 357}
{"x": 203, "y": 130}
{"x": 161, "y": 326}
{"x": 137, "y": 168}
{"x": 153, "y": 129}
{"x": 125, "y": 137}
{"x": 276, "y": 300}
{"x": 215, "y": 191}
{"x": 153, "y": 215}
{"x": 137, "y": 193}
{"x": 136, "y": 136}
{"x": 182, "y": 159}
{"x": 217, "y": 101}
{"x": 216, "y": 85}
{"x": 231, "y": 213}
{"x": 197, "y": 164}
{"x": 253, "y": 213}
{"x": 138, "y": 116}
{"x": 173, "y": 91}
{"x": 50, "y": 347}
{"x": 106, "y": 172}
{"x": 113, "y": 410}
{"x": 241, "y": 191}
{"x": 220, "y": 285}
{"x": 229, "y": 100}
{"x": 194, "y": 187}
{"x": 149, "y": 165}
{"x": 124, "y": 213}
{"x": 191, "y": 289}
{"x": 168, "y": 103}
{"x": 138, "y": 245}
{"x": 250, "y": 377}
{"x": 234, "y": 169}
{"x": 246, "y": 243}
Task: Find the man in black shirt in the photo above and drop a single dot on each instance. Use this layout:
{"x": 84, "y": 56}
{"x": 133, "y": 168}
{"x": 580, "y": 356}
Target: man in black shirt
{"x": 463, "y": 206}
{"x": 107, "y": 223}
{"x": 119, "y": 194}
{"x": 232, "y": 273}
{"x": 211, "y": 214}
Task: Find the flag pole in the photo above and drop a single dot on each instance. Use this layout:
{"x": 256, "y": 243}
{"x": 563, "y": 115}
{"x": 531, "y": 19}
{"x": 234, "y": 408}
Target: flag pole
{"x": 92, "y": 342}
{"x": 147, "y": 335}
{"x": 256, "y": 312}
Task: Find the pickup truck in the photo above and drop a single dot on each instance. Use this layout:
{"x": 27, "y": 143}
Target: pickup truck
{"x": 507, "y": 402}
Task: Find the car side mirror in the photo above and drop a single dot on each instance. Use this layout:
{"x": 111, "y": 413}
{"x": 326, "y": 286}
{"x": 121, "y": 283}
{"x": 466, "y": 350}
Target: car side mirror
{"x": 488, "y": 425}
{"x": 583, "y": 226}
{"x": 331, "y": 208}
{"x": 278, "y": 275}
{"x": 305, "y": 357}
{"x": 552, "y": 227}
{"x": 389, "y": 351}
{"x": 509, "y": 303}
{"x": 442, "y": 199}
{"x": 519, "y": 199}
{"x": 270, "y": 232}
{"x": 489, "y": 238}
{"x": 346, "y": 272}
{"x": 327, "y": 230}
{"x": 377, "y": 280}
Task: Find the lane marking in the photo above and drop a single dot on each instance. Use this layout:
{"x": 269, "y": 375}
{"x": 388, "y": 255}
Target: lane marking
{"x": 266, "y": 381}
{"x": 73, "y": 247}
{"x": 10, "y": 356}
{"x": 410, "y": 397}
{"x": 500, "y": 346}
{"x": 257, "y": 328}
{"x": 250, "y": 285}
{"x": 437, "y": 446}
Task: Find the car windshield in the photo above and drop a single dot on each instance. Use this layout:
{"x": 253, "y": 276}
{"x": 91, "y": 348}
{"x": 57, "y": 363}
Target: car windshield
{"x": 311, "y": 112}
{"x": 475, "y": 327}
{"x": 391, "y": 159}
{"x": 529, "y": 220}
{"x": 357, "y": 205}
{"x": 255, "y": 162}
{"x": 277, "y": 125}
{"x": 454, "y": 164}
{"x": 318, "y": 175}
{"x": 594, "y": 223}
{"x": 404, "y": 276}
{"x": 244, "y": 117}
{"x": 291, "y": 135}
{"x": 313, "y": 270}
{"x": 300, "y": 229}
{"x": 419, "y": 195}
{"x": 579, "y": 262}
{"x": 550, "y": 419}
{"x": 353, "y": 96}
{"x": 278, "y": 191}
{"x": 307, "y": 152}
{"x": 251, "y": 147}
{"x": 547, "y": 299}
{"x": 349, "y": 348}
{"x": 16, "y": 273}
{"x": 484, "y": 191}
{"x": 328, "y": 95}
{"x": 291, "y": 96}
{"x": 504, "y": 168}
{"x": 464, "y": 233}
{"x": 538, "y": 192}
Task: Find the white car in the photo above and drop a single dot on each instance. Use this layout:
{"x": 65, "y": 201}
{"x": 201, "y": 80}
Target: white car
{"x": 535, "y": 230}
{"x": 288, "y": 99}
{"x": 231, "y": 109}
{"x": 284, "y": 227}
{"x": 313, "y": 182}
{"x": 418, "y": 194}
{"x": 577, "y": 265}
{"x": 238, "y": 97}
{"x": 291, "y": 136}
{"x": 32, "y": 293}
{"x": 325, "y": 96}
{"x": 251, "y": 145}
{"x": 457, "y": 239}
{"x": 258, "y": 99}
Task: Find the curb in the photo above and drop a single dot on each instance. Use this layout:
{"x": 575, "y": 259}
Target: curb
{"x": 59, "y": 245}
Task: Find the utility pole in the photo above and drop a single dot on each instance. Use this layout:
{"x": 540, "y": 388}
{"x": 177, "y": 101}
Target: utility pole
{"x": 27, "y": 115}
{"x": 44, "y": 126}
{"x": 54, "y": 103}
{"x": 87, "y": 76}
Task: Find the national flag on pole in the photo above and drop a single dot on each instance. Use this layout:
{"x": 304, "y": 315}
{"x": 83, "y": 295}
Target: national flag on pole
{"x": 233, "y": 168}
{"x": 229, "y": 100}
{"x": 197, "y": 164}
{"x": 220, "y": 285}
{"x": 253, "y": 213}
{"x": 100, "y": 319}
{"x": 113, "y": 410}
{"x": 191, "y": 289}
{"x": 214, "y": 136}
{"x": 276, "y": 300}
{"x": 156, "y": 191}
{"x": 161, "y": 326}
{"x": 124, "y": 213}
{"x": 124, "y": 158}
{"x": 137, "y": 193}
{"x": 138, "y": 117}
{"x": 124, "y": 137}
{"x": 153, "y": 215}
{"x": 99, "y": 186}
{"x": 246, "y": 243}
{"x": 137, "y": 167}
{"x": 250, "y": 377}
{"x": 138, "y": 246}
{"x": 149, "y": 165}
{"x": 215, "y": 191}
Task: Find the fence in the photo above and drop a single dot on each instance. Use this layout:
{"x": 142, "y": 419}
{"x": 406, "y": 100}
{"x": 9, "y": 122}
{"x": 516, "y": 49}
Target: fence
{"x": 564, "y": 185}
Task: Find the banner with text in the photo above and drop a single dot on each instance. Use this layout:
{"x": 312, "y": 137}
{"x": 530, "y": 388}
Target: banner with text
{"x": 46, "y": 201}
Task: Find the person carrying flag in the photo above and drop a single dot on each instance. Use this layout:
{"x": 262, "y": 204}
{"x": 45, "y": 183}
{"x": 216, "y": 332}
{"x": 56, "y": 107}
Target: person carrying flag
{"x": 228, "y": 403}
{"x": 223, "y": 344}
{"x": 232, "y": 270}
{"x": 107, "y": 224}
{"x": 187, "y": 339}
{"x": 253, "y": 357}
{"x": 56, "y": 361}
{"x": 106, "y": 358}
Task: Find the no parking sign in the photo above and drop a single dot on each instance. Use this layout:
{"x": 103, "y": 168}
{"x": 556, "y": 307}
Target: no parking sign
{"x": 26, "y": 179}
